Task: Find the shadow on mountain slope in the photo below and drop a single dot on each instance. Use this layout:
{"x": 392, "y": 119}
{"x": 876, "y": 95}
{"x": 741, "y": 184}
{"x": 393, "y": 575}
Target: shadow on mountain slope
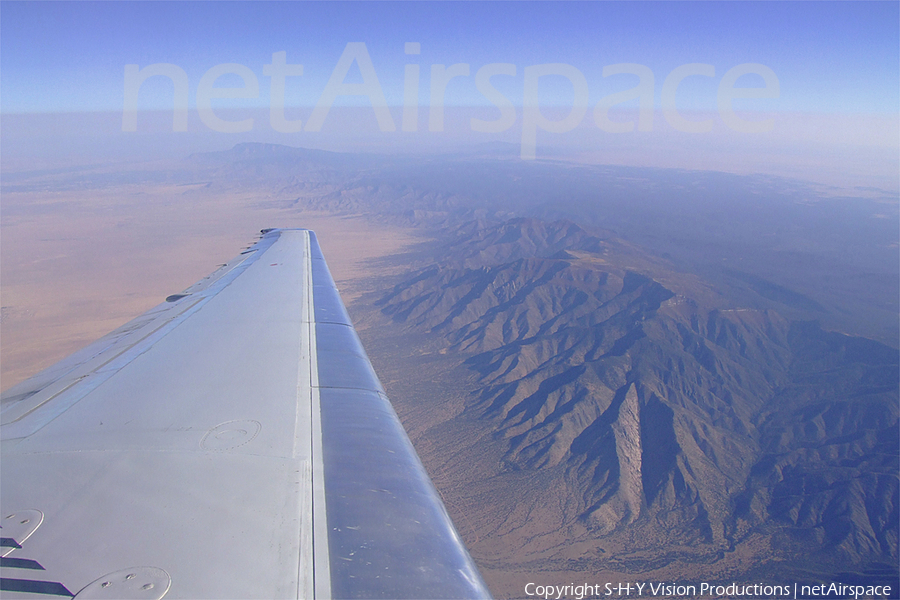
{"x": 671, "y": 416}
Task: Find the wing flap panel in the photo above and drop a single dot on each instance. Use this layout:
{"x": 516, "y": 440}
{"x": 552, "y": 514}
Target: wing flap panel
{"x": 389, "y": 537}
{"x": 328, "y": 306}
{"x": 341, "y": 359}
{"x": 327, "y": 303}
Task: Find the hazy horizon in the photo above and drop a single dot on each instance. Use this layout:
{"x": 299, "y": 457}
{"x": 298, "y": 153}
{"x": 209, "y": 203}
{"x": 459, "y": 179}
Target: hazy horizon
{"x": 821, "y": 82}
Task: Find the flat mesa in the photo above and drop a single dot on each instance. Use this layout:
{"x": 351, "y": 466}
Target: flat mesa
{"x": 234, "y": 441}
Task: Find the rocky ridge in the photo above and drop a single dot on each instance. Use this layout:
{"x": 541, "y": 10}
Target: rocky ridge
{"x": 672, "y": 416}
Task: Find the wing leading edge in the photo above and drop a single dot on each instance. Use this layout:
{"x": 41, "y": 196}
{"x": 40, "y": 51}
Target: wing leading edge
{"x": 233, "y": 442}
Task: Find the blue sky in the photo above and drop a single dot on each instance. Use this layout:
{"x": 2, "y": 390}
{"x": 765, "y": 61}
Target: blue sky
{"x": 62, "y": 75}
{"x": 833, "y": 57}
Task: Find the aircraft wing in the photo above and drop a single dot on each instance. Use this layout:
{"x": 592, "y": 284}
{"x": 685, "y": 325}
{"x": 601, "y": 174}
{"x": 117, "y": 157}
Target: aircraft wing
{"x": 233, "y": 442}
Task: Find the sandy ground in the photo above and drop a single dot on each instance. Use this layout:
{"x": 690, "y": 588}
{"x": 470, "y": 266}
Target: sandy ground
{"x": 75, "y": 265}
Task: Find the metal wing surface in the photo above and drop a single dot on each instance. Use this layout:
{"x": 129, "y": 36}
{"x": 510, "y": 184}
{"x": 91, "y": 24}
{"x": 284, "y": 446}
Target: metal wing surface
{"x": 233, "y": 442}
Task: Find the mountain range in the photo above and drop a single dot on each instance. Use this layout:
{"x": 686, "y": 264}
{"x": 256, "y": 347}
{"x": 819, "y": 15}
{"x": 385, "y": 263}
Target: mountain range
{"x": 674, "y": 416}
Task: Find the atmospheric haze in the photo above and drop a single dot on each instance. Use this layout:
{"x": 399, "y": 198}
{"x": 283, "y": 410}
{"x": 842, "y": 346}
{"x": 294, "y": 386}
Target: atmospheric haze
{"x": 628, "y": 272}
